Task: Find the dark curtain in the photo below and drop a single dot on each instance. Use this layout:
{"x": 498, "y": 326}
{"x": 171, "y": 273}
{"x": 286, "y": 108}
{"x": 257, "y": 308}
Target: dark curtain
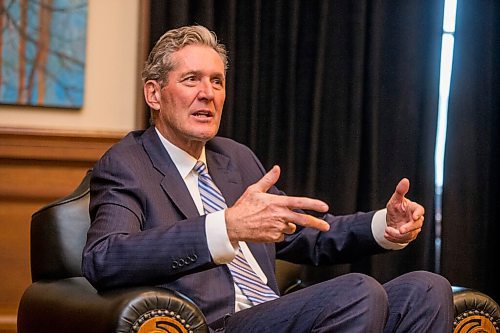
{"x": 471, "y": 222}
{"x": 341, "y": 94}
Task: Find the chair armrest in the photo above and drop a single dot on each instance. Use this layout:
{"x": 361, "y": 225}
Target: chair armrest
{"x": 474, "y": 312}
{"x": 73, "y": 305}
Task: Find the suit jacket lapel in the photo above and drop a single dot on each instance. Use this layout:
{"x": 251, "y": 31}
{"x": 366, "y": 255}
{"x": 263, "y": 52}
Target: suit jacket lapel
{"x": 172, "y": 182}
{"x": 225, "y": 176}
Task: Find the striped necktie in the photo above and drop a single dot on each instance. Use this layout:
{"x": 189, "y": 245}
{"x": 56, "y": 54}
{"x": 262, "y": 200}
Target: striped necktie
{"x": 244, "y": 276}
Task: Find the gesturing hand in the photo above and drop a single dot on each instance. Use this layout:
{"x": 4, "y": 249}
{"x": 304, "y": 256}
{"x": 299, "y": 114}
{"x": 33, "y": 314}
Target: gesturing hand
{"x": 262, "y": 217}
{"x": 404, "y": 217}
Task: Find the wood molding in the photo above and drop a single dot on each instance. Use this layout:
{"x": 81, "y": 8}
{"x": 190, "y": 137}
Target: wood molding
{"x": 45, "y": 164}
{"x": 51, "y": 145}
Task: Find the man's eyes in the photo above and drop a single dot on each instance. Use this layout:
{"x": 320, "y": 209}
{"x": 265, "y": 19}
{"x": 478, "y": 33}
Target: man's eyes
{"x": 193, "y": 80}
{"x": 219, "y": 83}
{"x": 190, "y": 79}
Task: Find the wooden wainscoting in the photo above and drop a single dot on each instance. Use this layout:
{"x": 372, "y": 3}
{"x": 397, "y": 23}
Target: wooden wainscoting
{"x": 36, "y": 167}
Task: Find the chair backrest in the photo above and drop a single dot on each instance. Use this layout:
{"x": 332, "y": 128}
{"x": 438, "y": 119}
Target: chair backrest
{"x": 58, "y": 235}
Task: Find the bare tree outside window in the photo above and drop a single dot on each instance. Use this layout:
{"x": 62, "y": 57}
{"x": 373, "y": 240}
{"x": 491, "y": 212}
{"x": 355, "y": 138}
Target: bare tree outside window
{"x": 42, "y": 52}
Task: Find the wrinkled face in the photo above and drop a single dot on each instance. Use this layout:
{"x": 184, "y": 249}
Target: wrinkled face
{"x": 190, "y": 104}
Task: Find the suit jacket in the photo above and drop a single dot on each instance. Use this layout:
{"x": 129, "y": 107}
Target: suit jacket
{"x": 146, "y": 230}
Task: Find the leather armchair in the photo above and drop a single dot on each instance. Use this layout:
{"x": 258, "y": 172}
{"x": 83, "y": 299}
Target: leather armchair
{"x": 61, "y": 300}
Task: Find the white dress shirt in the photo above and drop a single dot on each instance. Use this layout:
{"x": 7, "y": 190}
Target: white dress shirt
{"x": 221, "y": 249}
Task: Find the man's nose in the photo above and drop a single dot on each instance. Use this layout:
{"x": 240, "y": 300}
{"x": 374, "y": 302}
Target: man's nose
{"x": 206, "y": 90}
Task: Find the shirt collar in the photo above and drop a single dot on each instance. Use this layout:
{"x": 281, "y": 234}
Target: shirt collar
{"x": 182, "y": 160}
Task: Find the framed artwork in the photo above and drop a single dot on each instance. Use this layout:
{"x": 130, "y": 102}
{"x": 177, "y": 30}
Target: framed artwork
{"x": 42, "y": 52}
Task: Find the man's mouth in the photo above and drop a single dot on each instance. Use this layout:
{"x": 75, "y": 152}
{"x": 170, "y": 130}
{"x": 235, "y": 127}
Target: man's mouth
{"x": 203, "y": 114}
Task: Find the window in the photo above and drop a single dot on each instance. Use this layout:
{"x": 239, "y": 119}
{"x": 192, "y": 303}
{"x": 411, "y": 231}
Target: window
{"x": 447, "y": 45}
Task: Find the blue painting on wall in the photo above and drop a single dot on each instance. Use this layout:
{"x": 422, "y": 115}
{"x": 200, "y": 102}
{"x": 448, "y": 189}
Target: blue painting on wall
{"x": 42, "y": 52}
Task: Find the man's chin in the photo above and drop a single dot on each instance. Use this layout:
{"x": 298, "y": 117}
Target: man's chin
{"x": 204, "y": 137}
{"x": 206, "y": 134}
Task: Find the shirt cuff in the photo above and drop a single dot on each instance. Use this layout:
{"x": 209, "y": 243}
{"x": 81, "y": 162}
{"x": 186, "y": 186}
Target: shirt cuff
{"x": 220, "y": 247}
{"x": 378, "y": 230}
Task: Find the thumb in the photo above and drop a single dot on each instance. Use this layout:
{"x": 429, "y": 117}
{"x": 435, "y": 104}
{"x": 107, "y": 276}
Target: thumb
{"x": 401, "y": 190}
{"x": 268, "y": 180}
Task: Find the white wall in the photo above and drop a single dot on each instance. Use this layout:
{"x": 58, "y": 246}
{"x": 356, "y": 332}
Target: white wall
{"x": 111, "y": 76}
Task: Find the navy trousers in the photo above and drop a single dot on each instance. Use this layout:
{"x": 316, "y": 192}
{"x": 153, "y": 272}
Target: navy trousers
{"x": 415, "y": 302}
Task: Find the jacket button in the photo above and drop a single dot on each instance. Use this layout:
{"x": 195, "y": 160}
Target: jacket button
{"x": 175, "y": 265}
{"x": 182, "y": 262}
{"x": 193, "y": 257}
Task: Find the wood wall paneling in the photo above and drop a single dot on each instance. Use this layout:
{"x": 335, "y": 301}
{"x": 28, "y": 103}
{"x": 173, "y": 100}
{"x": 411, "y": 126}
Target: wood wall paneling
{"x": 36, "y": 167}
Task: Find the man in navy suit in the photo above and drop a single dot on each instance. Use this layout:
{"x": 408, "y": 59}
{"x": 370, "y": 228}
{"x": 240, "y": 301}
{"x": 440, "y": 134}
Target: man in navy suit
{"x": 150, "y": 225}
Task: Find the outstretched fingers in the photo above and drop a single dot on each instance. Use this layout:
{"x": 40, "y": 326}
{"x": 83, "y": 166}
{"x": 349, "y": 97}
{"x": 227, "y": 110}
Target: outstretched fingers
{"x": 264, "y": 217}
{"x": 310, "y": 221}
{"x": 291, "y": 217}
{"x": 301, "y": 203}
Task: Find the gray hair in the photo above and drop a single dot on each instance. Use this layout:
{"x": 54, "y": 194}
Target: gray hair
{"x": 159, "y": 62}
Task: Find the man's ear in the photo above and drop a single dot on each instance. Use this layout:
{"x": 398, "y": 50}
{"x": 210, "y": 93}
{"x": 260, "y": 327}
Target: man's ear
{"x": 152, "y": 94}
